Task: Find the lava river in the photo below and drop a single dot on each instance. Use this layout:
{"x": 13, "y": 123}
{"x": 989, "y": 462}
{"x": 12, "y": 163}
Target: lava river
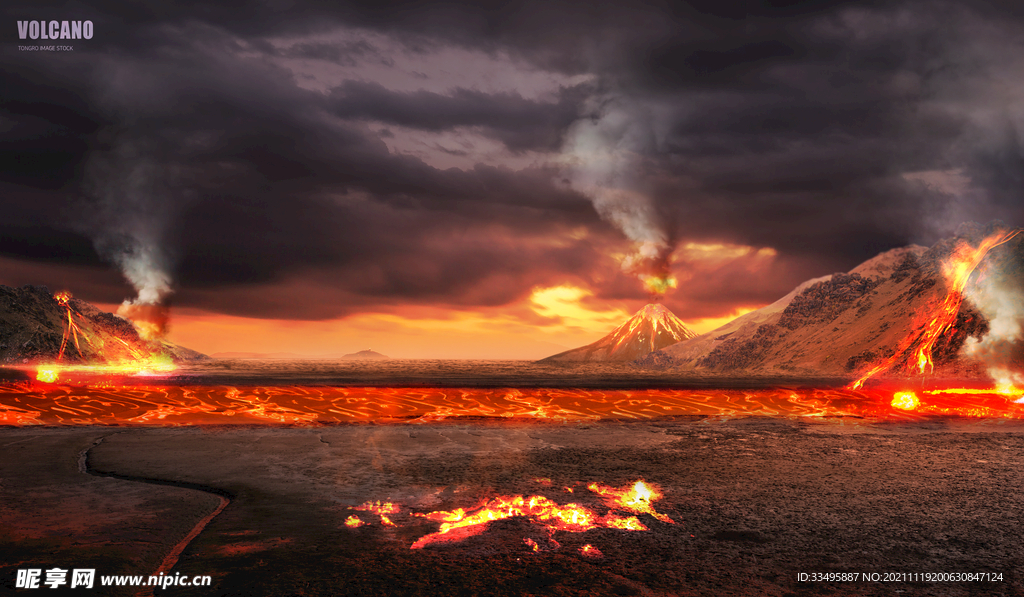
{"x": 108, "y": 404}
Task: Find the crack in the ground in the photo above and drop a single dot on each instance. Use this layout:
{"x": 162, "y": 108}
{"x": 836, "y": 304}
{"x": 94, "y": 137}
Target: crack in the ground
{"x": 172, "y": 557}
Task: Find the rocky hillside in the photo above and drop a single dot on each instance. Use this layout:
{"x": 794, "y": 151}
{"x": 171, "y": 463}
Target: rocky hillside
{"x": 33, "y": 325}
{"x": 842, "y": 324}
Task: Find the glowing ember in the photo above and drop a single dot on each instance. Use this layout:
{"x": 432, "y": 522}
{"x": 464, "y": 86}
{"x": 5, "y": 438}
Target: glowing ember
{"x": 636, "y": 498}
{"x": 905, "y": 401}
{"x": 382, "y": 510}
{"x": 533, "y": 544}
{"x": 46, "y": 375}
{"x": 937, "y": 320}
{"x": 353, "y": 522}
{"x": 590, "y": 551}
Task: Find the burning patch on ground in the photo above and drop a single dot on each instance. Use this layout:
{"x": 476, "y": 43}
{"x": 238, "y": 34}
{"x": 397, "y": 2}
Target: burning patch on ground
{"x": 461, "y": 523}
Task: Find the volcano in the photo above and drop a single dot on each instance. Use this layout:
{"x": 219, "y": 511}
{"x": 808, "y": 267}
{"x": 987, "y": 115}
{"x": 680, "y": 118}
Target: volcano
{"x": 846, "y": 324}
{"x": 652, "y": 328}
{"x": 34, "y": 329}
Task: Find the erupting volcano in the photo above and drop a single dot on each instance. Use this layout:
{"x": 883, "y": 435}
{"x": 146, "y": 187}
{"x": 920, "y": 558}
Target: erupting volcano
{"x": 902, "y": 314}
{"x": 652, "y": 328}
{"x": 937, "y": 320}
{"x": 58, "y": 335}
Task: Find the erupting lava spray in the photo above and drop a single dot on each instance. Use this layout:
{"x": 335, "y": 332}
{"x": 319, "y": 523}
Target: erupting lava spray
{"x": 933, "y": 323}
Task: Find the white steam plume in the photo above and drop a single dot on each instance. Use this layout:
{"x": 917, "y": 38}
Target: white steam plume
{"x": 1000, "y": 298}
{"x": 131, "y": 194}
{"x": 605, "y": 158}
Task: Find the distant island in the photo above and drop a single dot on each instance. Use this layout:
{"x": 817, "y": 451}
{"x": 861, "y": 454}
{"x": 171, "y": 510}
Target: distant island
{"x": 365, "y": 355}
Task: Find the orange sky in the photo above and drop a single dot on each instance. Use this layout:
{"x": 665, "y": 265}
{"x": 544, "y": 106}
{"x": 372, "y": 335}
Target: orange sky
{"x": 549, "y": 321}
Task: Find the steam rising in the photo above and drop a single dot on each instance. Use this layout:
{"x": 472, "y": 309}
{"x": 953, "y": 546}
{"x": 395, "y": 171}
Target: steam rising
{"x": 132, "y": 200}
{"x": 606, "y": 157}
{"x": 999, "y": 295}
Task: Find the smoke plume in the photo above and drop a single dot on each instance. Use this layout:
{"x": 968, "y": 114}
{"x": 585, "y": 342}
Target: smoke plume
{"x": 999, "y": 295}
{"x": 606, "y": 155}
{"x": 131, "y": 196}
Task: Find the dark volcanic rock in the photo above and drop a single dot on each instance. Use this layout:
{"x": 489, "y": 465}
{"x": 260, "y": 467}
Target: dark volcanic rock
{"x": 825, "y": 300}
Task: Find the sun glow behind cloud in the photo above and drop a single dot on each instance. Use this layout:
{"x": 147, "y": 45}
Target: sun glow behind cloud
{"x": 564, "y": 303}
{"x": 550, "y": 320}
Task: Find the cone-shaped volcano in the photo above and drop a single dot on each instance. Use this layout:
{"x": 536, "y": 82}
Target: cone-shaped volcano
{"x": 652, "y": 328}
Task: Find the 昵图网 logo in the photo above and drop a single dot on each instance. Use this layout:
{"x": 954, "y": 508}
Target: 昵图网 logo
{"x": 55, "y": 29}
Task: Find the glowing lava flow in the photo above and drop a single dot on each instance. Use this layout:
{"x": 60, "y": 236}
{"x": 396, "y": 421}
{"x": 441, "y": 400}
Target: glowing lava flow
{"x": 125, "y": 401}
{"x": 636, "y": 499}
{"x": 72, "y": 330}
{"x": 136, "y": 363}
{"x": 939, "y": 319}
{"x": 380, "y": 509}
{"x": 457, "y": 525}
{"x": 1008, "y": 391}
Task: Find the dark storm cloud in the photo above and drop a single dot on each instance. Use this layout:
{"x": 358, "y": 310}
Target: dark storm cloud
{"x": 252, "y": 181}
{"x": 789, "y": 125}
{"x": 519, "y": 123}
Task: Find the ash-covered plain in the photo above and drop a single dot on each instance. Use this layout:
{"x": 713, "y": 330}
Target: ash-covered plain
{"x": 754, "y": 501}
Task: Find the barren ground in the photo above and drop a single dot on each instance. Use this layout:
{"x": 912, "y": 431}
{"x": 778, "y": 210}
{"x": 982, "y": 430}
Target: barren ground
{"x": 756, "y": 502}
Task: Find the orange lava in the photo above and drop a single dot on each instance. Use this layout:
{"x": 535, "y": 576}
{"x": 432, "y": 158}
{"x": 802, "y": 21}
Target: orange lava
{"x": 380, "y": 509}
{"x": 459, "y": 524}
{"x": 636, "y": 498}
{"x": 353, "y": 522}
{"x": 539, "y": 509}
{"x": 590, "y": 551}
{"x": 935, "y": 321}
{"x": 117, "y": 402}
{"x": 905, "y": 401}
{"x": 72, "y": 330}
